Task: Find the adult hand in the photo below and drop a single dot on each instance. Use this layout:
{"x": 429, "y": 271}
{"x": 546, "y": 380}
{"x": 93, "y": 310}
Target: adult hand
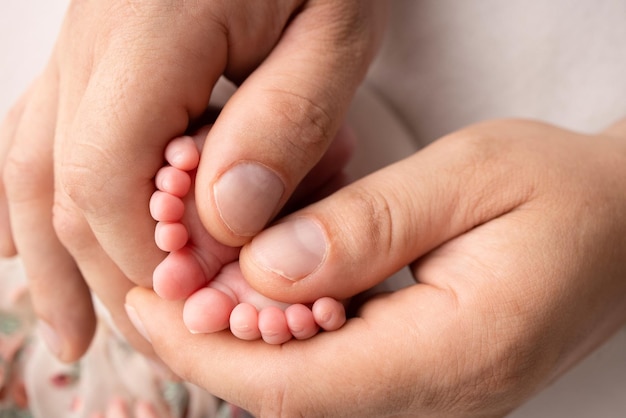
{"x": 516, "y": 235}
{"x": 127, "y": 77}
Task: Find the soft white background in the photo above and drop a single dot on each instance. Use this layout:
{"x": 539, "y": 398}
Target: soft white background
{"x": 595, "y": 388}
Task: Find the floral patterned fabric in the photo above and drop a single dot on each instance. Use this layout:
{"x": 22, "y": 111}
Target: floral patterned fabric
{"x": 34, "y": 384}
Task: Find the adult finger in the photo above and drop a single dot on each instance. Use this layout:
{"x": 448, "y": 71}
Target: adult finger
{"x": 328, "y": 175}
{"x": 510, "y": 298}
{"x": 379, "y": 224}
{"x": 114, "y": 129}
{"x": 150, "y": 72}
{"x": 405, "y": 352}
{"x": 280, "y": 121}
{"x": 127, "y": 88}
{"x": 492, "y": 318}
{"x": 99, "y": 271}
{"x": 7, "y": 134}
{"x": 293, "y": 379}
{"x": 101, "y": 274}
{"x": 54, "y": 279}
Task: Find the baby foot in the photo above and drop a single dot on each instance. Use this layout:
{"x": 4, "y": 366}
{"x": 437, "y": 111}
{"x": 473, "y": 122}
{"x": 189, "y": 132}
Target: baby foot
{"x": 206, "y": 273}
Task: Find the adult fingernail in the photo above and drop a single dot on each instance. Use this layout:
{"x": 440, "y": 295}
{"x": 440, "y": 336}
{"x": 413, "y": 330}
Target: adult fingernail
{"x": 292, "y": 249}
{"x": 133, "y": 316}
{"x": 50, "y": 337}
{"x": 247, "y": 196}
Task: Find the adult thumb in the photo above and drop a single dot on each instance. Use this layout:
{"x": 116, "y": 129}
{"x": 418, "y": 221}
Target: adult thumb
{"x": 359, "y": 236}
{"x": 281, "y": 120}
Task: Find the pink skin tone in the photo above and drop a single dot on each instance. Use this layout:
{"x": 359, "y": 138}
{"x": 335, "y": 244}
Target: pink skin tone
{"x": 206, "y": 273}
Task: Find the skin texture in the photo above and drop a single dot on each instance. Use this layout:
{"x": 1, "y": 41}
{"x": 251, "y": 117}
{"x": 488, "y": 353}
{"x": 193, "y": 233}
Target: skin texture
{"x": 124, "y": 79}
{"x": 514, "y": 230}
{"x": 206, "y": 273}
{"x": 515, "y": 233}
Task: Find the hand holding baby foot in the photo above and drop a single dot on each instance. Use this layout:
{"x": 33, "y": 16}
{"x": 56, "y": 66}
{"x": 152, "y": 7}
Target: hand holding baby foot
{"x": 127, "y": 77}
{"x": 515, "y": 233}
{"x": 207, "y": 273}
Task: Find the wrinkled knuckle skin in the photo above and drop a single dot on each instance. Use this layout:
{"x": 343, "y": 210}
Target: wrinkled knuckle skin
{"x": 306, "y": 126}
{"x": 70, "y": 227}
{"x": 317, "y": 122}
{"x": 376, "y": 208}
{"x": 24, "y": 177}
{"x": 80, "y": 184}
{"x": 473, "y": 147}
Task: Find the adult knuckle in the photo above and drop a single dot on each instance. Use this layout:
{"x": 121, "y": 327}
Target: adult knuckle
{"x": 375, "y": 209}
{"x": 24, "y": 175}
{"x": 352, "y": 27}
{"x": 69, "y": 226}
{"x": 477, "y": 160}
{"x": 84, "y": 181}
{"x": 73, "y": 181}
{"x": 473, "y": 147}
{"x": 304, "y": 124}
{"x": 485, "y": 158}
{"x": 485, "y": 143}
